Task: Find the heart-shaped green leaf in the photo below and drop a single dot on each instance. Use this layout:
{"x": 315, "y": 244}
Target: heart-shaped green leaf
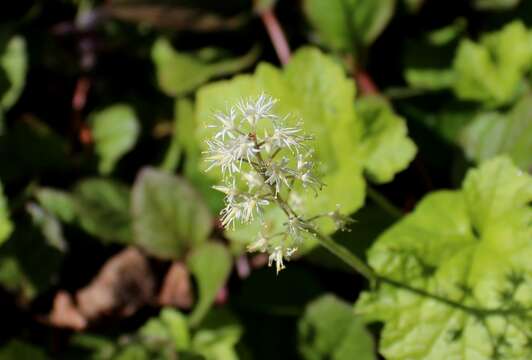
{"x": 169, "y": 216}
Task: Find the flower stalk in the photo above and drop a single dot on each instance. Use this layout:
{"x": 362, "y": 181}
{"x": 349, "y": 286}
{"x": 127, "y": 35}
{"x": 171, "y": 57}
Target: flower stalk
{"x": 275, "y": 32}
{"x": 265, "y": 161}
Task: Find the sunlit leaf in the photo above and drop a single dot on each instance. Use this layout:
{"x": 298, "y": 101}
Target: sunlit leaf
{"x": 471, "y": 247}
{"x": 387, "y": 147}
{"x": 491, "y": 70}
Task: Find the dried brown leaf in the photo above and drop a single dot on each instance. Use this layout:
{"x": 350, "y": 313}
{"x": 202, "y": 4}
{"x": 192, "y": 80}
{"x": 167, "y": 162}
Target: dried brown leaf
{"x": 65, "y": 314}
{"x": 123, "y": 285}
{"x": 176, "y": 289}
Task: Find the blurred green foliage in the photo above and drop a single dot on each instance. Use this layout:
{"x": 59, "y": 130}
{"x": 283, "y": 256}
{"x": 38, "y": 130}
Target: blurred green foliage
{"x": 104, "y": 114}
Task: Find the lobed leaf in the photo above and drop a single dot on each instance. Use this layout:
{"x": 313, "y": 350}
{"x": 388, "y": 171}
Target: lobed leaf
{"x": 490, "y": 71}
{"x": 496, "y": 133}
{"x": 387, "y": 148}
{"x": 471, "y": 248}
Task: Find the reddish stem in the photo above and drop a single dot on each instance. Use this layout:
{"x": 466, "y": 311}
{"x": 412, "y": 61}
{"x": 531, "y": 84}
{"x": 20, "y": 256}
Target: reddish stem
{"x": 362, "y": 78}
{"x": 276, "y": 34}
{"x": 80, "y": 93}
{"x": 79, "y": 99}
{"x": 365, "y": 83}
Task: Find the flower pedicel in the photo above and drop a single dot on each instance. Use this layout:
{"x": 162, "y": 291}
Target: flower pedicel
{"x": 262, "y": 159}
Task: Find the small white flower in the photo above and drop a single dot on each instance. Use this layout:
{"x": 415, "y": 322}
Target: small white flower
{"x": 278, "y": 254}
{"x": 253, "y": 180}
{"x": 295, "y": 228}
{"x": 242, "y": 209}
{"x": 230, "y": 191}
{"x": 340, "y": 221}
{"x": 230, "y": 215}
{"x": 289, "y": 137}
{"x": 219, "y": 155}
{"x": 260, "y": 244}
{"x": 227, "y": 126}
{"x": 277, "y": 174}
{"x": 261, "y": 108}
{"x": 305, "y": 175}
{"x": 266, "y": 177}
{"x": 244, "y": 148}
{"x": 250, "y": 205}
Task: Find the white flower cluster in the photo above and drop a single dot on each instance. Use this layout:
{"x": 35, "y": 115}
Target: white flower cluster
{"x": 262, "y": 158}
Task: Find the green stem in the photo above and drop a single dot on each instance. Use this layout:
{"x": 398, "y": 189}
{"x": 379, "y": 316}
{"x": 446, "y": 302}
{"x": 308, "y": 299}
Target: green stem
{"x": 365, "y": 270}
{"x": 361, "y": 267}
{"x": 348, "y": 257}
{"x": 384, "y": 203}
